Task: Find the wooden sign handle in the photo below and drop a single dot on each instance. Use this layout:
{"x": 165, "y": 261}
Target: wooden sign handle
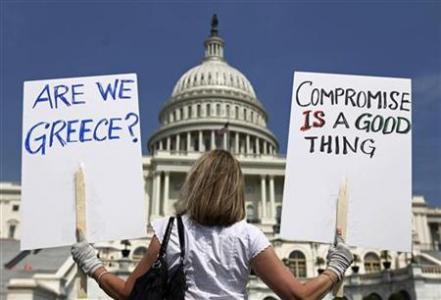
{"x": 341, "y": 223}
{"x": 80, "y": 215}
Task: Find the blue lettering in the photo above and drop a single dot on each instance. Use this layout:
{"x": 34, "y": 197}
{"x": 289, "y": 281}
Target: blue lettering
{"x": 95, "y": 136}
{"x": 71, "y": 130}
{"x": 113, "y": 128}
{"x": 84, "y": 130}
{"x": 40, "y": 97}
{"x": 60, "y": 94}
{"x": 43, "y": 136}
{"x": 55, "y": 132}
{"x": 41, "y": 139}
{"x": 109, "y": 90}
{"x": 122, "y": 89}
{"x": 75, "y": 93}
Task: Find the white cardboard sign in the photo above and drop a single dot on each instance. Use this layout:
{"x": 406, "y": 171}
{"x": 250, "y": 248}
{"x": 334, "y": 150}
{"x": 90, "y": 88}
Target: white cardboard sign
{"x": 89, "y": 121}
{"x": 356, "y": 128}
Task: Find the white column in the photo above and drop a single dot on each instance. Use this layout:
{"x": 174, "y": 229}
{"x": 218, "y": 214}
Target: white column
{"x": 200, "y": 141}
{"x": 427, "y": 230}
{"x": 266, "y": 147}
{"x": 248, "y": 144}
{"x": 168, "y": 143}
{"x": 272, "y": 197}
{"x": 225, "y": 142}
{"x": 213, "y": 140}
{"x": 236, "y": 142}
{"x": 161, "y": 145}
{"x": 194, "y": 113}
{"x": 188, "y": 141}
{"x": 185, "y": 108}
{"x": 263, "y": 197}
{"x": 418, "y": 228}
{"x": 166, "y": 188}
{"x": 424, "y": 230}
{"x": 178, "y": 142}
{"x": 156, "y": 193}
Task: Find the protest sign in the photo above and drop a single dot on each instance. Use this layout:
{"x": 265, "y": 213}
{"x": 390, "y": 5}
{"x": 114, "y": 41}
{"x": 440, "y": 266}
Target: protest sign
{"x": 355, "y": 129}
{"x": 91, "y": 122}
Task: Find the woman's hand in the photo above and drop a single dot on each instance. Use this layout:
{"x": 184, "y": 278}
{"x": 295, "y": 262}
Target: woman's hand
{"x": 85, "y": 255}
{"x": 339, "y": 257}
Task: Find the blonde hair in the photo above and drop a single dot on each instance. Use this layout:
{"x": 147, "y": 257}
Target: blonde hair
{"x": 213, "y": 192}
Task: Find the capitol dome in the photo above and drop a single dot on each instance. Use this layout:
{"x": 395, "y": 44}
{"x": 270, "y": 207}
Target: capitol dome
{"x": 213, "y": 105}
{"x": 214, "y": 74}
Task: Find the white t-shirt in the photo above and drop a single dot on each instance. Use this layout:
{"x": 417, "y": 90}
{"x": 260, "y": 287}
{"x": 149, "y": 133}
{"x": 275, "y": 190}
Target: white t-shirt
{"x": 217, "y": 259}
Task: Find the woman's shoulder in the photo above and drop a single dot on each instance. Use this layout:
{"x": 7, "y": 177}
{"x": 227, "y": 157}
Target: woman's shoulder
{"x": 256, "y": 238}
{"x": 249, "y": 230}
{"x": 159, "y": 226}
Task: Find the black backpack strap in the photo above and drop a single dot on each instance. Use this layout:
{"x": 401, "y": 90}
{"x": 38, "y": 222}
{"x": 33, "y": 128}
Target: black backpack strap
{"x": 181, "y": 236}
{"x": 166, "y": 237}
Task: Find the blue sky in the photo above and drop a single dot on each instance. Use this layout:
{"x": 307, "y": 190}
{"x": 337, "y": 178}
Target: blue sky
{"x": 266, "y": 41}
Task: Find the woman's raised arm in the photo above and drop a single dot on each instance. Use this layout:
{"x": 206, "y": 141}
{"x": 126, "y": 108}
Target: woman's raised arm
{"x": 272, "y": 271}
{"x": 84, "y": 254}
{"x": 278, "y": 278}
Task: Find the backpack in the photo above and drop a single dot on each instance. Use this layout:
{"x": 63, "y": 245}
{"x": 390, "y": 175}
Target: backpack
{"x": 156, "y": 284}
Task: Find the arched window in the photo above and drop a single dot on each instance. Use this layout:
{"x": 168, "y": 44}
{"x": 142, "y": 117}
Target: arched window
{"x": 198, "y": 110}
{"x": 251, "y": 214}
{"x": 218, "y": 110}
{"x": 297, "y": 263}
{"x": 278, "y": 214}
{"x": 181, "y": 113}
{"x": 372, "y": 263}
{"x": 12, "y": 228}
{"x": 139, "y": 253}
{"x": 189, "y": 112}
{"x": 372, "y": 296}
{"x": 228, "y": 111}
{"x": 401, "y": 295}
{"x": 236, "y": 112}
{"x": 245, "y": 114}
{"x": 208, "y": 109}
{"x": 11, "y": 231}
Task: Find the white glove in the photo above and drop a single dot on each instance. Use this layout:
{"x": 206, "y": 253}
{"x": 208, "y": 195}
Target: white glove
{"x": 339, "y": 257}
{"x": 85, "y": 255}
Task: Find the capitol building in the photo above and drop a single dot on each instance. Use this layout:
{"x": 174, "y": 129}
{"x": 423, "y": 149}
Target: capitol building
{"x": 213, "y": 105}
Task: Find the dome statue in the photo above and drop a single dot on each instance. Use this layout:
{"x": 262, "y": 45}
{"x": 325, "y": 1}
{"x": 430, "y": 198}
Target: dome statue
{"x": 214, "y": 73}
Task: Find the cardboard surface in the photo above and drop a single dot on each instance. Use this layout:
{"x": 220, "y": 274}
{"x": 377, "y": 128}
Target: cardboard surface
{"x": 88, "y": 121}
{"x": 358, "y": 128}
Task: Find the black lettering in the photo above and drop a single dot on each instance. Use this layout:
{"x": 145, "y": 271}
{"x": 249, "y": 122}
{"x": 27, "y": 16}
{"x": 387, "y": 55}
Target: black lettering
{"x": 297, "y": 93}
{"x": 311, "y": 145}
{"x": 341, "y": 119}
